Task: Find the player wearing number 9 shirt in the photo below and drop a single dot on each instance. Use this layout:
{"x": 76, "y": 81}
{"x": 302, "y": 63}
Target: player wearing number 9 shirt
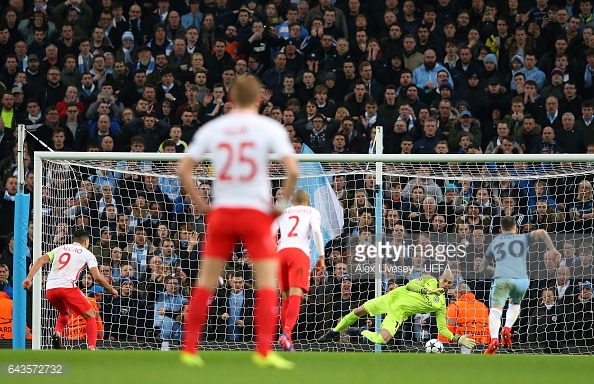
{"x": 239, "y": 143}
{"x": 62, "y": 285}
{"x": 510, "y": 277}
{"x": 296, "y": 224}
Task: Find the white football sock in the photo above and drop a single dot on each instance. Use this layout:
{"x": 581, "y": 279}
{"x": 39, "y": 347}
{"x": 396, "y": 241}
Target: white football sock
{"x": 494, "y": 322}
{"x": 511, "y": 315}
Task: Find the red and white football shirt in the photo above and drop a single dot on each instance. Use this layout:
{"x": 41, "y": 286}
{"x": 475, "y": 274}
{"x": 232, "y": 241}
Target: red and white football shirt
{"x": 240, "y": 143}
{"x": 67, "y": 263}
{"x": 296, "y": 225}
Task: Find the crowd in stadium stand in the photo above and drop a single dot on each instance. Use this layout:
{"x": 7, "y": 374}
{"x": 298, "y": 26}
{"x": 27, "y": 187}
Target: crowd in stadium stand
{"x": 441, "y": 76}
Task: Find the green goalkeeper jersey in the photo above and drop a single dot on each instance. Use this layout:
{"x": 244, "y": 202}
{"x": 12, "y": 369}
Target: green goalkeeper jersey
{"x": 407, "y": 301}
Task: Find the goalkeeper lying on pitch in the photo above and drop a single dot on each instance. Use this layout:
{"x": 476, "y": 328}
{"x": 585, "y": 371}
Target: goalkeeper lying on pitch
{"x": 423, "y": 295}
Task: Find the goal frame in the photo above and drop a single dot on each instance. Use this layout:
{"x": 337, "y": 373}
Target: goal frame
{"x": 377, "y": 159}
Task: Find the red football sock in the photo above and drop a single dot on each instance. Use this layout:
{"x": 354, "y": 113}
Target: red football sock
{"x": 196, "y": 318}
{"x": 61, "y": 324}
{"x": 283, "y": 312}
{"x": 291, "y": 315}
{"x": 91, "y": 332}
{"x": 266, "y": 318}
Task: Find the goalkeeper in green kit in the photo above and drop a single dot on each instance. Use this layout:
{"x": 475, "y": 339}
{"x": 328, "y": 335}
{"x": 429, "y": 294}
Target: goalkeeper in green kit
{"x": 423, "y": 295}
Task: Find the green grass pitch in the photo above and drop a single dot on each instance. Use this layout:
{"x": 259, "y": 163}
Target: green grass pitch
{"x": 114, "y": 367}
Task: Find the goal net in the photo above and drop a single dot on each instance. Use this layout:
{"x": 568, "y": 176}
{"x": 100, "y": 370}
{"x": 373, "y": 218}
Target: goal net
{"x": 383, "y": 227}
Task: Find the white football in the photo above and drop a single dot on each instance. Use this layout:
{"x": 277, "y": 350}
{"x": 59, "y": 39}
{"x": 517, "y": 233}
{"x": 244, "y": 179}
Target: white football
{"x": 434, "y": 346}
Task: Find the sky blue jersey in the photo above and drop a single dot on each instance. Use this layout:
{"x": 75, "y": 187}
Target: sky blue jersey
{"x": 509, "y": 252}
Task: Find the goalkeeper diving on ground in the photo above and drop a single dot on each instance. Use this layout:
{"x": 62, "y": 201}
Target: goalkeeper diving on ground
{"x": 422, "y": 295}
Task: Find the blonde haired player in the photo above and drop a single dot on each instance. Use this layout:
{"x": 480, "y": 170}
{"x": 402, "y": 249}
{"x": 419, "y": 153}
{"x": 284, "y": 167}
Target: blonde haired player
{"x": 62, "y": 285}
{"x": 240, "y": 143}
{"x": 297, "y": 224}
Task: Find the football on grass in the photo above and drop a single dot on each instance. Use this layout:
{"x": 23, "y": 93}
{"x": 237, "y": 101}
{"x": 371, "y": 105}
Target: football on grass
{"x": 434, "y": 346}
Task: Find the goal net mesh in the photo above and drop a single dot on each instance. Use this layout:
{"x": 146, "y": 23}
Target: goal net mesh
{"x": 148, "y": 240}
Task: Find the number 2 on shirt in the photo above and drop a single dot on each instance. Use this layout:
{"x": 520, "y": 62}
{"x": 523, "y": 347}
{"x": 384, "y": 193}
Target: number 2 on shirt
{"x": 234, "y": 156}
{"x": 292, "y": 232}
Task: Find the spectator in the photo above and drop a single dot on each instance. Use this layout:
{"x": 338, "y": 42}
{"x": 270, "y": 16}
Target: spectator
{"x": 502, "y": 131}
{"x": 565, "y": 288}
{"x": 424, "y": 74}
{"x": 548, "y": 144}
{"x": 102, "y": 248}
{"x": 580, "y": 210}
{"x": 585, "y": 269}
{"x": 5, "y": 272}
{"x": 140, "y": 250}
{"x": 121, "y": 313}
{"x": 465, "y": 125}
{"x": 429, "y": 186}
{"x": 170, "y": 90}
{"x": 260, "y": 42}
{"x": 556, "y": 86}
{"x": 571, "y": 139}
{"x": 429, "y": 139}
{"x": 337, "y": 305}
{"x": 132, "y": 94}
{"x": 545, "y": 216}
{"x": 584, "y": 123}
{"x": 168, "y": 306}
{"x": 422, "y": 222}
{"x": 581, "y": 317}
{"x": 532, "y": 72}
{"x": 66, "y": 13}
{"x": 273, "y": 78}
{"x": 58, "y": 139}
{"x": 509, "y": 207}
{"x": 546, "y": 323}
{"x": 355, "y": 102}
{"x": 168, "y": 254}
{"x": 569, "y": 257}
{"x": 213, "y": 102}
{"x": 372, "y": 86}
{"x": 233, "y": 319}
{"x": 550, "y": 116}
{"x": 7, "y": 209}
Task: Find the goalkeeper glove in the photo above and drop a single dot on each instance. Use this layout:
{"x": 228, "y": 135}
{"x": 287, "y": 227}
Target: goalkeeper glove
{"x": 465, "y": 341}
{"x": 436, "y": 291}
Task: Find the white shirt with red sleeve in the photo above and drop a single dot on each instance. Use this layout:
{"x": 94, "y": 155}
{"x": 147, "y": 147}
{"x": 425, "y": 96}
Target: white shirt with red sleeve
{"x": 240, "y": 143}
{"x": 297, "y": 224}
{"x": 67, "y": 263}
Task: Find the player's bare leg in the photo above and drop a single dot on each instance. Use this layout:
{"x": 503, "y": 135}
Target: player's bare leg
{"x": 289, "y": 314}
{"x": 91, "y": 319}
{"x": 346, "y": 321}
{"x": 266, "y": 316}
{"x": 494, "y": 325}
{"x": 210, "y": 269}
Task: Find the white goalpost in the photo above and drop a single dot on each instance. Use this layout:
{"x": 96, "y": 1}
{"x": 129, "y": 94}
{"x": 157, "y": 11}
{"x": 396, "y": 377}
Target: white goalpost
{"x": 387, "y": 219}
